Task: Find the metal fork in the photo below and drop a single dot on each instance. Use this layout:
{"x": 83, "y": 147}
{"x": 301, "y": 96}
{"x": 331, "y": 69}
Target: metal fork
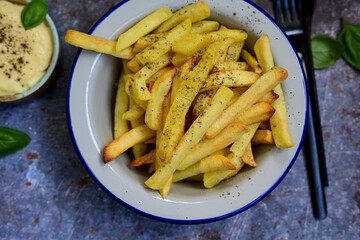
{"x": 294, "y": 16}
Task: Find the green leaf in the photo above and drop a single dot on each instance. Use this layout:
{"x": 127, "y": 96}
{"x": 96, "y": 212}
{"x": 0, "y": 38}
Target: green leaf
{"x": 12, "y": 140}
{"x": 34, "y": 13}
{"x": 325, "y": 50}
{"x": 350, "y": 37}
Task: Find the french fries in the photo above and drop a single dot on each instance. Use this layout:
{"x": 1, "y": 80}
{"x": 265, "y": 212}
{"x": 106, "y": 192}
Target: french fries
{"x": 263, "y": 85}
{"x": 143, "y": 27}
{"x": 126, "y": 141}
{"x": 194, "y": 96}
{"x": 165, "y": 43}
{"x": 187, "y": 92}
{"x": 192, "y": 136}
{"x": 153, "y": 115}
{"x": 232, "y": 78}
{"x": 279, "y": 122}
{"x": 97, "y": 44}
{"x": 121, "y": 106}
{"x": 196, "y": 12}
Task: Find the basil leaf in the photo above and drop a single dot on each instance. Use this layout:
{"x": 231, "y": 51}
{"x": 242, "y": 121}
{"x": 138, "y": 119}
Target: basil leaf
{"x": 350, "y": 37}
{"x": 33, "y": 14}
{"x": 12, "y": 140}
{"x": 325, "y": 50}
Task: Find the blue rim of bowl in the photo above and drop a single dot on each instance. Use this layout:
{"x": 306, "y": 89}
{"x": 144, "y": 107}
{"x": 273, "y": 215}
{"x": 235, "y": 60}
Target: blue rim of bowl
{"x": 178, "y": 221}
{"x": 51, "y": 68}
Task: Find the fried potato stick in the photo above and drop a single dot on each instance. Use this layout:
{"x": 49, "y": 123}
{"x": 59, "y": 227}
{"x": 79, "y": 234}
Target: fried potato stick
{"x": 154, "y": 111}
{"x": 193, "y": 43}
{"x": 227, "y": 66}
{"x": 233, "y": 78}
{"x": 240, "y": 145}
{"x": 196, "y": 12}
{"x": 279, "y": 121}
{"x": 147, "y": 40}
{"x": 187, "y": 92}
{"x": 134, "y": 112}
{"x": 192, "y": 136}
{"x": 257, "y": 113}
{"x": 211, "y": 163}
{"x": 263, "y": 137}
{"x": 251, "y": 60}
{"x": 121, "y": 106}
{"x": 262, "y": 86}
{"x": 204, "y": 26}
{"x": 248, "y": 156}
{"x": 143, "y": 27}
{"x": 146, "y": 159}
{"x": 137, "y": 84}
{"x": 234, "y": 51}
{"x": 126, "y": 141}
{"x": 97, "y": 44}
{"x": 208, "y": 146}
{"x": 165, "y": 43}
{"x": 212, "y": 178}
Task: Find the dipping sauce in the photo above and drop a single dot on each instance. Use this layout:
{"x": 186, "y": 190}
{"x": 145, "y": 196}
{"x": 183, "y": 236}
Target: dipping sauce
{"x": 25, "y": 55}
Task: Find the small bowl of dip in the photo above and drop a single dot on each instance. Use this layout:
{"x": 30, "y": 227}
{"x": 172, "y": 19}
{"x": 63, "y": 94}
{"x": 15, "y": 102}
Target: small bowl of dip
{"x": 29, "y": 59}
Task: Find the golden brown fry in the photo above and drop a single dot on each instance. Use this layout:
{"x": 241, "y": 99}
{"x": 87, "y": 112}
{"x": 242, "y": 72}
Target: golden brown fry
{"x": 134, "y": 112}
{"x": 137, "y": 84}
{"x": 203, "y": 100}
{"x": 240, "y": 145}
{"x": 187, "y": 92}
{"x": 233, "y": 78}
{"x": 279, "y": 121}
{"x": 184, "y": 69}
{"x": 166, "y": 108}
{"x": 166, "y": 189}
{"x": 147, "y": 40}
{"x": 234, "y": 51}
{"x": 228, "y": 66}
{"x": 211, "y": 163}
{"x": 257, "y": 113}
{"x": 265, "y": 125}
{"x": 269, "y": 97}
{"x": 154, "y": 111}
{"x": 143, "y": 27}
{"x": 248, "y": 157}
{"x": 134, "y": 65}
{"x": 146, "y": 159}
{"x": 179, "y": 59}
{"x": 165, "y": 43}
{"x": 196, "y": 12}
{"x": 193, "y": 43}
{"x": 263, "y": 137}
{"x": 263, "y": 85}
{"x": 97, "y": 44}
{"x": 251, "y": 60}
{"x": 121, "y": 106}
{"x": 263, "y": 53}
{"x": 208, "y": 146}
{"x": 204, "y": 26}
{"x": 191, "y": 136}
{"x": 212, "y": 178}
{"x": 126, "y": 141}
{"x": 138, "y": 149}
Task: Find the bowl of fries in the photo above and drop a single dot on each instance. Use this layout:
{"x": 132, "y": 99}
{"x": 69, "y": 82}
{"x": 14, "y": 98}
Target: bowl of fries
{"x": 186, "y": 113}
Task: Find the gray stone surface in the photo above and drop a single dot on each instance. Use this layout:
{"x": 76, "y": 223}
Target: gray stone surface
{"x": 45, "y": 192}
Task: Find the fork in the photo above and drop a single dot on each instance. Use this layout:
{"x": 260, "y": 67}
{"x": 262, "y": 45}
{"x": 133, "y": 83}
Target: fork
{"x": 294, "y": 16}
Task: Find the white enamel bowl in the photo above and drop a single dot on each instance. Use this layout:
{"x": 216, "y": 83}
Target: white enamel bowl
{"x": 90, "y": 113}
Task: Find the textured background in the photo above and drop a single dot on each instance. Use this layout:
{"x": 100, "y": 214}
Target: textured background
{"x": 45, "y": 192}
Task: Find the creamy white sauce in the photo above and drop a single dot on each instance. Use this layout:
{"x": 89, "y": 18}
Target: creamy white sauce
{"x": 25, "y": 55}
